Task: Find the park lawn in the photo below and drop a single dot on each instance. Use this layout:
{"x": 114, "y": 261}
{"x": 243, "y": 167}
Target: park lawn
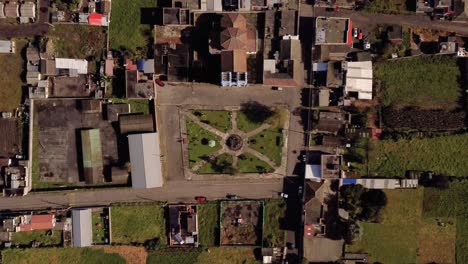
{"x": 138, "y": 223}
{"x": 232, "y": 255}
{"x": 269, "y": 142}
{"x": 11, "y": 85}
{"x": 59, "y": 256}
{"x": 198, "y": 138}
{"x": 426, "y": 82}
{"x": 78, "y": 41}
{"x": 221, "y": 120}
{"x": 273, "y": 235}
{"x": 212, "y": 168}
{"x": 208, "y": 222}
{"x": 244, "y": 124}
{"x": 252, "y": 164}
{"x": 99, "y": 236}
{"x": 44, "y": 237}
{"x": 395, "y": 240}
{"x": 126, "y": 33}
{"x": 443, "y": 155}
{"x": 437, "y": 243}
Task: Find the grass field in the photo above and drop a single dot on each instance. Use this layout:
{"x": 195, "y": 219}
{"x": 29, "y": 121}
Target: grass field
{"x": 98, "y": 232}
{"x": 78, "y": 41}
{"x": 398, "y": 231}
{"x": 11, "y": 67}
{"x": 217, "y": 255}
{"x": 126, "y": 33}
{"x": 275, "y": 210}
{"x": 437, "y": 243}
{"x": 244, "y": 124}
{"x": 59, "y": 256}
{"x": 138, "y": 223}
{"x": 198, "y": 142}
{"x": 453, "y": 203}
{"x": 212, "y": 168}
{"x": 45, "y": 238}
{"x": 136, "y": 105}
{"x": 252, "y": 164}
{"x": 427, "y": 82}
{"x": 221, "y": 120}
{"x": 443, "y": 155}
{"x": 269, "y": 142}
{"x": 208, "y": 217}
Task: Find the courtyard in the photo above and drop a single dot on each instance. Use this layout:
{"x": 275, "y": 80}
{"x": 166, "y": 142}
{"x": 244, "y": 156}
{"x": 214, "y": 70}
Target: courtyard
{"x": 251, "y": 139}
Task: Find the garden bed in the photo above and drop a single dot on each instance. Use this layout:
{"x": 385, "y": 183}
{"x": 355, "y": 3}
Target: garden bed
{"x": 423, "y": 119}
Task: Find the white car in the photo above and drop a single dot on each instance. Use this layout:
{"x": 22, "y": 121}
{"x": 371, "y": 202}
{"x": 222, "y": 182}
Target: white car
{"x": 284, "y": 195}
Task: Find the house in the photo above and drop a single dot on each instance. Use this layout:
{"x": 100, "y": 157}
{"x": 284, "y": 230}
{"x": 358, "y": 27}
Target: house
{"x": 145, "y": 157}
{"x": 11, "y": 9}
{"x": 32, "y": 54}
{"x": 36, "y": 222}
{"x": 175, "y": 16}
{"x": 76, "y": 66}
{"x": 7, "y": 46}
{"x": 233, "y": 68}
{"x": 172, "y": 61}
{"x": 235, "y": 34}
{"x": 47, "y": 67}
{"x": 317, "y": 246}
{"x": 82, "y": 228}
{"x": 331, "y": 122}
{"x": 138, "y": 85}
{"x": 288, "y": 69}
{"x": 139, "y": 123}
{"x": 91, "y": 149}
{"x": 28, "y": 10}
{"x": 97, "y": 19}
{"x": 333, "y": 31}
{"x": 359, "y": 79}
{"x": 328, "y": 169}
{"x": 16, "y": 182}
{"x": 183, "y": 226}
{"x": 146, "y": 66}
{"x": 334, "y": 74}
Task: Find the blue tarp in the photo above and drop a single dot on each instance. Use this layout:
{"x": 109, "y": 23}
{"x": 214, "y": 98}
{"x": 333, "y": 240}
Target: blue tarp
{"x": 349, "y": 181}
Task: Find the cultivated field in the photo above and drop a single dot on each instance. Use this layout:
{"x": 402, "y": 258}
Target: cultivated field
{"x": 11, "y": 67}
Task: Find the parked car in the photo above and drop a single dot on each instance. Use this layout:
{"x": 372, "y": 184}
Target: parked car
{"x": 200, "y": 199}
{"x": 160, "y": 83}
{"x": 284, "y": 195}
{"x": 355, "y": 32}
{"x": 231, "y": 196}
{"x": 276, "y": 88}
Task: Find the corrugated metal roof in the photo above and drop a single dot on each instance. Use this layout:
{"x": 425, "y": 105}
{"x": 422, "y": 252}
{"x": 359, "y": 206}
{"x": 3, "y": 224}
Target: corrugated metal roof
{"x": 145, "y": 158}
{"x": 82, "y": 231}
{"x": 6, "y": 46}
{"x": 28, "y": 9}
{"x": 80, "y": 65}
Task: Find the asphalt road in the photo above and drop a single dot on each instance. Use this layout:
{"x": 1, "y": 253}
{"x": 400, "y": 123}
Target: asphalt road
{"x": 362, "y": 18}
{"x": 173, "y": 192}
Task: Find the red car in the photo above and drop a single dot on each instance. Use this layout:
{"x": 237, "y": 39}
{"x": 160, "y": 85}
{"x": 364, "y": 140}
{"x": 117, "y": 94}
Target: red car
{"x": 160, "y": 83}
{"x": 200, "y": 199}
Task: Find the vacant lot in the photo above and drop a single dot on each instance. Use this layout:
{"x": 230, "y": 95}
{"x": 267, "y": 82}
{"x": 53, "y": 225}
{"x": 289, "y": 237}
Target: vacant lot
{"x": 132, "y": 255}
{"x": 444, "y": 155}
{"x": 220, "y": 120}
{"x": 78, "y": 41}
{"x": 198, "y": 146}
{"x": 216, "y": 255}
{"x": 208, "y": 221}
{"x": 398, "y": 231}
{"x": 427, "y": 82}
{"x": 138, "y": 223}
{"x": 241, "y": 223}
{"x": 273, "y": 235}
{"x": 423, "y": 119}
{"x": 437, "y": 240}
{"x": 11, "y": 67}
{"x": 10, "y": 131}
{"x": 170, "y": 256}
{"x": 126, "y": 32}
{"x": 59, "y": 256}
{"x": 45, "y": 238}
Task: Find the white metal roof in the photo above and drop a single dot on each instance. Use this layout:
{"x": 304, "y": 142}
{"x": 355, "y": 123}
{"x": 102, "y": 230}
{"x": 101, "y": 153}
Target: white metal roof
{"x": 80, "y": 65}
{"x": 313, "y": 172}
{"x": 5, "y": 46}
{"x": 82, "y": 231}
{"x": 145, "y": 158}
{"x": 359, "y": 78}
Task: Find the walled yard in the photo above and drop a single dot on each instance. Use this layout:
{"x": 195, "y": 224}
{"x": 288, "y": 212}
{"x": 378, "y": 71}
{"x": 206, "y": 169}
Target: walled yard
{"x": 57, "y": 125}
{"x": 241, "y": 223}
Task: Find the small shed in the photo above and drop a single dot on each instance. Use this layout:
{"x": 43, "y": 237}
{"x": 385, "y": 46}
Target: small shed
{"x": 95, "y": 19}
{"x": 145, "y": 158}
{"x": 82, "y": 232}
{"x": 7, "y": 46}
{"x": 11, "y": 9}
{"x": 28, "y": 10}
{"x": 109, "y": 67}
{"x": 146, "y": 66}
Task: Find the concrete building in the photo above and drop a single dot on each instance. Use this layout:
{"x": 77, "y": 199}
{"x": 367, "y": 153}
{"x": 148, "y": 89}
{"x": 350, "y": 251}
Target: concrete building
{"x": 82, "y": 232}
{"x": 359, "y": 77}
{"x": 145, "y": 157}
{"x": 333, "y": 31}
{"x": 7, "y": 46}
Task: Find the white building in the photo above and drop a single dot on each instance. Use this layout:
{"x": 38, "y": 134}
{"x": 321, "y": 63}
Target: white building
{"x": 82, "y": 232}
{"x": 145, "y": 158}
{"x": 359, "y": 79}
{"x": 7, "y": 46}
{"x": 80, "y": 66}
